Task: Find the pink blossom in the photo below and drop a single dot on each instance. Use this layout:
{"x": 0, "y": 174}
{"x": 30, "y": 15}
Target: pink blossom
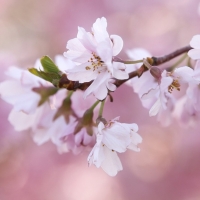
{"x": 190, "y": 109}
{"x": 195, "y": 43}
{"x": 18, "y": 90}
{"x": 61, "y": 132}
{"x": 112, "y": 138}
{"x": 93, "y": 52}
{"x": 144, "y": 83}
{"x": 160, "y": 95}
{"x": 81, "y": 140}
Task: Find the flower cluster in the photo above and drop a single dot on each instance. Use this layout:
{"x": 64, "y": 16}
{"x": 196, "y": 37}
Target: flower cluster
{"x": 112, "y": 138}
{"x": 92, "y": 53}
{"x": 156, "y": 87}
{"x": 57, "y": 101}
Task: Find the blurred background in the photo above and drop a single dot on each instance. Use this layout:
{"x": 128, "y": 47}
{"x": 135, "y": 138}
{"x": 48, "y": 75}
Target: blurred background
{"x": 168, "y": 166}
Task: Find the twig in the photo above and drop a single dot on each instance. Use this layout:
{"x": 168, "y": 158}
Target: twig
{"x": 154, "y": 61}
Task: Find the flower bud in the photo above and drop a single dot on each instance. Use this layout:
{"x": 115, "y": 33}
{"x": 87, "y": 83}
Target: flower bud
{"x": 155, "y": 72}
{"x": 86, "y": 121}
{"x": 101, "y": 119}
{"x": 65, "y": 110}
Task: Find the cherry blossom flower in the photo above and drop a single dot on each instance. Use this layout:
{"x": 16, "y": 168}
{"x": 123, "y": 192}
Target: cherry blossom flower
{"x": 93, "y": 52}
{"x": 144, "y": 83}
{"x": 155, "y": 91}
{"x": 18, "y": 90}
{"x": 190, "y": 109}
{"x": 159, "y": 92}
{"x": 26, "y": 114}
{"x": 62, "y": 132}
{"x": 185, "y": 113}
{"x": 195, "y": 43}
{"x": 112, "y": 138}
{"x": 77, "y": 142}
{"x": 136, "y": 54}
{"x": 160, "y": 95}
{"x": 193, "y": 91}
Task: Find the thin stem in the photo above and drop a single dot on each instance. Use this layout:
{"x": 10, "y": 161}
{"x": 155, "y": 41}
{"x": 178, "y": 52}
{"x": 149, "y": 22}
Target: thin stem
{"x": 70, "y": 94}
{"x": 153, "y": 61}
{"x": 189, "y": 62}
{"x": 94, "y": 105}
{"x": 101, "y": 108}
{"x": 177, "y": 63}
{"x": 168, "y": 57}
{"x": 132, "y": 61}
{"x": 117, "y": 59}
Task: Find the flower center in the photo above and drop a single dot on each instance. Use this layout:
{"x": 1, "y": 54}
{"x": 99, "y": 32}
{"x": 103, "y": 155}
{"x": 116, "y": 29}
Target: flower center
{"x": 95, "y": 63}
{"x": 175, "y": 84}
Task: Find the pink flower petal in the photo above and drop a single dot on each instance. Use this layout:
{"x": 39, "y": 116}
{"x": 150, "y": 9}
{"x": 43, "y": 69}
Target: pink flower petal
{"x": 110, "y": 85}
{"x": 99, "y": 29}
{"x": 195, "y": 42}
{"x": 117, "y": 44}
{"x": 184, "y": 73}
{"x": 111, "y": 163}
{"x": 165, "y": 83}
{"x": 79, "y": 73}
{"x": 155, "y": 108}
{"x": 104, "y": 51}
{"x": 86, "y": 39}
{"x": 98, "y": 87}
{"x": 75, "y": 45}
{"x": 194, "y": 54}
{"x": 151, "y": 93}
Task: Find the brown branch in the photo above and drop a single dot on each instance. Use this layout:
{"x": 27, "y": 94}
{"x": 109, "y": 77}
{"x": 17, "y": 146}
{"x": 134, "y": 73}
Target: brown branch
{"x": 154, "y": 61}
{"x": 160, "y": 60}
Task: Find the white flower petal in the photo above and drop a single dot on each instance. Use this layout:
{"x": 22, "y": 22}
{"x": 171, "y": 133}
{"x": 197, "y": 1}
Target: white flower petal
{"x": 184, "y": 73}
{"x": 9, "y": 89}
{"x": 194, "y": 54}
{"x": 195, "y": 42}
{"x": 197, "y": 70}
{"x": 104, "y": 51}
{"x": 75, "y": 45}
{"x": 79, "y": 57}
{"x": 98, "y": 86}
{"x": 135, "y": 140}
{"x": 27, "y": 102}
{"x": 151, "y": 93}
{"x": 96, "y": 156}
{"x": 117, "y": 44}
{"x": 155, "y": 108}
{"x": 101, "y": 126}
{"x": 20, "y": 120}
{"x": 110, "y": 85}
{"x": 121, "y": 75}
{"x": 81, "y": 74}
{"x": 40, "y": 136}
{"x": 14, "y": 72}
{"x": 111, "y": 163}
{"x": 63, "y": 63}
{"x": 116, "y": 138}
{"x": 86, "y": 39}
{"x": 138, "y": 53}
{"x": 165, "y": 83}
{"x": 102, "y": 92}
{"x": 133, "y": 127}
{"x": 99, "y": 29}
{"x": 119, "y": 71}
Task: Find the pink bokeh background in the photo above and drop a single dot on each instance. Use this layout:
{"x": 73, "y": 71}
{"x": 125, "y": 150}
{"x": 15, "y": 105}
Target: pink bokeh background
{"x": 168, "y": 166}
